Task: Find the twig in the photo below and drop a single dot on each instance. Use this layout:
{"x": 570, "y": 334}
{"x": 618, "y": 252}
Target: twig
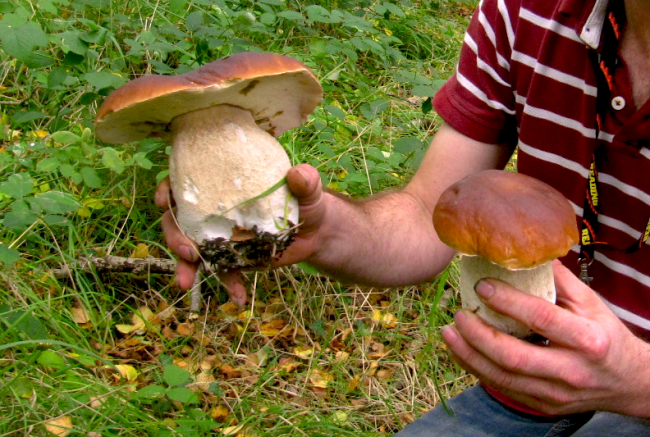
{"x": 110, "y": 263}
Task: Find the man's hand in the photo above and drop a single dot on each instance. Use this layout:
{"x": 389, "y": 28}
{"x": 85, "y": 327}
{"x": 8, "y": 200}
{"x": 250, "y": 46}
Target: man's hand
{"x": 592, "y": 361}
{"x": 303, "y": 181}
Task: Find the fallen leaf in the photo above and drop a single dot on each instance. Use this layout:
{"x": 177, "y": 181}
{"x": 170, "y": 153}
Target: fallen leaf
{"x": 288, "y": 364}
{"x": 230, "y": 372}
{"x": 185, "y": 329}
{"x": 61, "y": 426}
{"x": 127, "y": 372}
{"x": 272, "y": 328}
{"x": 203, "y": 381}
{"x": 304, "y": 352}
{"x": 385, "y": 319}
{"x": 79, "y": 316}
{"x": 320, "y": 378}
{"x": 232, "y": 430}
{"x": 220, "y": 413}
{"x": 140, "y": 251}
{"x": 230, "y": 308}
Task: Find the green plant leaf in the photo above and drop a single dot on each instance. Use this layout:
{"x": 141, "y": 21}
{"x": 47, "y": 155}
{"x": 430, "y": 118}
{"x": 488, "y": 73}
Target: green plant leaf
{"x": 70, "y": 42}
{"x": 111, "y": 159}
{"x": 48, "y": 164}
{"x": 407, "y": 145}
{"x": 150, "y": 392}
{"x": 175, "y": 376}
{"x": 183, "y": 395}
{"x": 51, "y": 359}
{"x": 91, "y": 178}
{"x": 20, "y": 41}
{"x": 20, "y": 217}
{"x": 55, "y": 202}
{"x": 27, "y": 116}
{"x": 291, "y": 15}
{"x": 194, "y": 21}
{"x": 101, "y": 80}
{"x": 17, "y": 185}
{"x": 8, "y": 256}
{"x": 24, "y": 322}
{"x": 140, "y": 158}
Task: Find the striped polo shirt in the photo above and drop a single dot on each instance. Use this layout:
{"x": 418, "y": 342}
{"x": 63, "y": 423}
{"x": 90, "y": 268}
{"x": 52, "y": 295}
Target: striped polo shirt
{"x": 525, "y": 78}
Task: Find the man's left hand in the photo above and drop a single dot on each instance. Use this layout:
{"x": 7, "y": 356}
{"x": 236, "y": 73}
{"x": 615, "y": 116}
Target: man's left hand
{"x": 592, "y": 361}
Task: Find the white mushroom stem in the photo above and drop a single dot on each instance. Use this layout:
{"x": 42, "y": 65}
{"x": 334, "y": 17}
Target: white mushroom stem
{"x": 220, "y": 159}
{"x": 537, "y": 281}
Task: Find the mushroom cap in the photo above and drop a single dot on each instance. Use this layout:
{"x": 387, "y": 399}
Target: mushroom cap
{"x": 278, "y": 90}
{"x": 513, "y": 220}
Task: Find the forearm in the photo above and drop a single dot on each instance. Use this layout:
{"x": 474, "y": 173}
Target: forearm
{"x": 389, "y": 239}
{"x": 386, "y": 240}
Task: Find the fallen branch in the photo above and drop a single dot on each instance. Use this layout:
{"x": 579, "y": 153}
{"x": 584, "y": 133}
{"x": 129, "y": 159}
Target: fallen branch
{"x": 138, "y": 266}
{"x": 110, "y": 263}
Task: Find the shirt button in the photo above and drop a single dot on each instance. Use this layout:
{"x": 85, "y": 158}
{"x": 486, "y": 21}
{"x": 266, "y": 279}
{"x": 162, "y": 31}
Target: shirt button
{"x": 618, "y": 103}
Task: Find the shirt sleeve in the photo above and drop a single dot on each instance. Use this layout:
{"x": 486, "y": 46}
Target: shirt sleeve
{"x": 478, "y": 100}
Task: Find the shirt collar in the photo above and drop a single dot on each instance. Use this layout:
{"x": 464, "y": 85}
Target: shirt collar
{"x": 587, "y": 17}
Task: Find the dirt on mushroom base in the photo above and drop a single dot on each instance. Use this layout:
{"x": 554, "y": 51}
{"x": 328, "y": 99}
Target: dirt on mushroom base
{"x": 247, "y": 249}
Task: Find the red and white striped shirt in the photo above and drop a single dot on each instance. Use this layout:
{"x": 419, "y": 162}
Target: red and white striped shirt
{"x": 525, "y": 78}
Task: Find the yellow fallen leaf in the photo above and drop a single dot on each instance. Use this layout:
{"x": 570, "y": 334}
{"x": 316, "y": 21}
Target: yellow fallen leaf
{"x": 385, "y": 319}
{"x": 185, "y": 329}
{"x": 220, "y": 413}
{"x": 139, "y": 319}
{"x": 127, "y": 372}
{"x": 320, "y": 378}
{"x": 140, "y": 251}
{"x": 79, "y": 316}
{"x": 203, "y": 381}
{"x": 40, "y": 133}
{"x": 304, "y": 352}
{"x": 230, "y": 308}
{"x": 272, "y": 328}
{"x": 232, "y": 430}
{"x": 61, "y": 426}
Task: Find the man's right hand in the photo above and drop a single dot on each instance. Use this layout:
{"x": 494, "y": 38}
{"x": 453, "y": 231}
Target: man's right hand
{"x": 303, "y": 181}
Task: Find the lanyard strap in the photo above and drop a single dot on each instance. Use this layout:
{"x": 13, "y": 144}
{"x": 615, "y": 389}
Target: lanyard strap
{"x": 605, "y": 62}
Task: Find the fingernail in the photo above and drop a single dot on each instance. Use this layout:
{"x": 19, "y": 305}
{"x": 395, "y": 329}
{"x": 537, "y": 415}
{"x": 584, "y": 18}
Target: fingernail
{"x": 188, "y": 253}
{"x": 484, "y": 289}
{"x": 161, "y": 198}
{"x": 460, "y": 316}
{"x": 448, "y": 333}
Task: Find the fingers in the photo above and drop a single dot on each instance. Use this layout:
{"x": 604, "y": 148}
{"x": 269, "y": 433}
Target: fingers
{"x": 482, "y": 343}
{"x": 188, "y": 263}
{"x": 544, "y": 378}
{"x": 163, "y": 197}
{"x": 185, "y": 274}
{"x": 234, "y": 283}
{"x": 551, "y": 321}
{"x": 177, "y": 241}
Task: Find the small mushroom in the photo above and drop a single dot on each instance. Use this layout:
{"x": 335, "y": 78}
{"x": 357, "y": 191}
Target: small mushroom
{"x": 226, "y": 168}
{"x": 506, "y": 226}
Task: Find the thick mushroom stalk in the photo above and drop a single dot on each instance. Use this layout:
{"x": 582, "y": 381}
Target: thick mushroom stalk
{"x": 221, "y": 120}
{"x": 506, "y": 226}
{"x": 221, "y": 160}
{"x": 537, "y": 281}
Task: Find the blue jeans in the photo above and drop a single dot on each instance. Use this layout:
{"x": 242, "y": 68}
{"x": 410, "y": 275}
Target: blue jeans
{"x": 477, "y": 414}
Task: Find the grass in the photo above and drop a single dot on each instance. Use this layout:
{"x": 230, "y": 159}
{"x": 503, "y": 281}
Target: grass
{"x": 119, "y": 354}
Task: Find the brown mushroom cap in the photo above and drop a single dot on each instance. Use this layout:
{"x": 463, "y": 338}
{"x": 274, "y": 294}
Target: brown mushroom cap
{"x": 513, "y": 220}
{"x": 279, "y": 91}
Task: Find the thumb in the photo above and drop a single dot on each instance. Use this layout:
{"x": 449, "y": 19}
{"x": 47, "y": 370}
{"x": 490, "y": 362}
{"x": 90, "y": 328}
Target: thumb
{"x": 304, "y": 183}
{"x": 572, "y": 293}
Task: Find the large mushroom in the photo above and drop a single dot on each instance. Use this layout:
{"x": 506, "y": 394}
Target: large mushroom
{"x": 226, "y": 168}
{"x": 506, "y": 226}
